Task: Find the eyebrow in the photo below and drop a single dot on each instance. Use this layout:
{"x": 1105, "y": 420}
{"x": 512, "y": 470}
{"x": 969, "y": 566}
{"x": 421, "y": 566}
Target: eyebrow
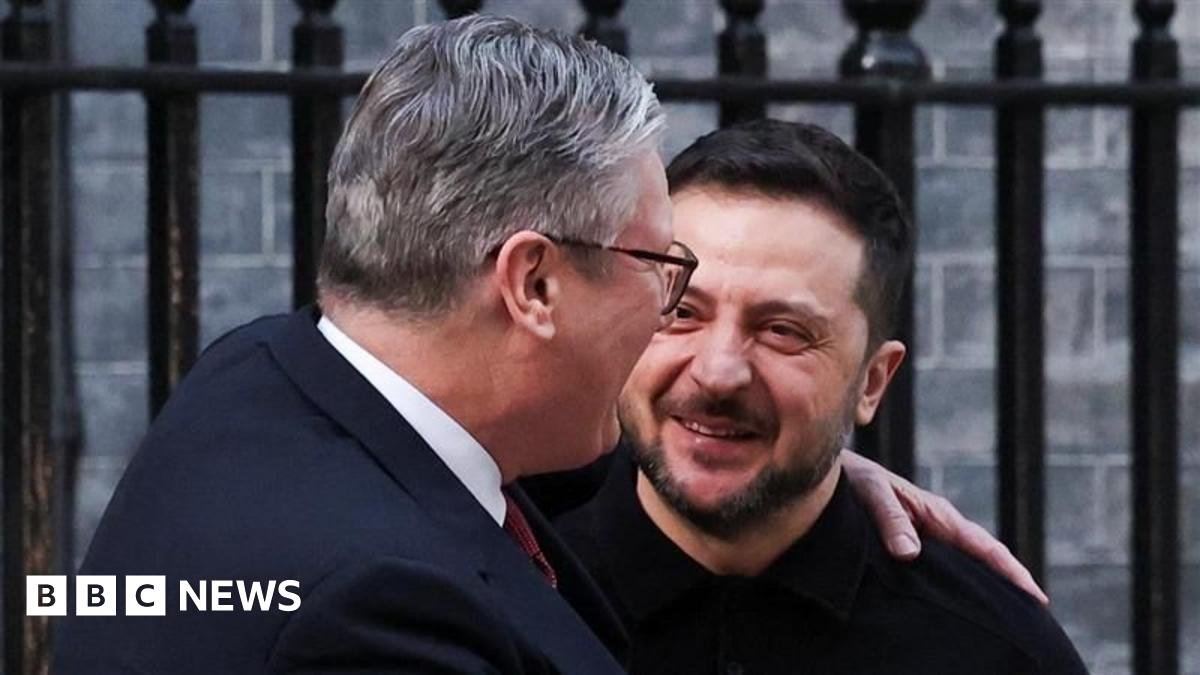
{"x": 797, "y": 308}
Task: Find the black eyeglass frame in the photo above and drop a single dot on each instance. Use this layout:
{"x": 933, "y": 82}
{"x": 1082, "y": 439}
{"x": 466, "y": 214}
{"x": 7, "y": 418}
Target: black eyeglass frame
{"x": 687, "y": 265}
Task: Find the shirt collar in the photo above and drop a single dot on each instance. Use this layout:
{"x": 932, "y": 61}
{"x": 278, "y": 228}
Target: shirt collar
{"x": 826, "y": 565}
{"x": 461, "y": 453}
{"x": 650, "y": 572}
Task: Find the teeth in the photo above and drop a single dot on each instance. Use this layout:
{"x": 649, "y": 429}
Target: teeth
{"x": 709, "y": 431}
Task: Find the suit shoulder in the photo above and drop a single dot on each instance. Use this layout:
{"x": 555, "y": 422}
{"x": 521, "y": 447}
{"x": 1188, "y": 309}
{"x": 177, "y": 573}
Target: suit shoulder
{"x": 253, "y": 332}
{"x": 399, "y": 614}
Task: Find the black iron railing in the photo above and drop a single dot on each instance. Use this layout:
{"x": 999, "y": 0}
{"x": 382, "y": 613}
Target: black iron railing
{"x": 884, "y": 76}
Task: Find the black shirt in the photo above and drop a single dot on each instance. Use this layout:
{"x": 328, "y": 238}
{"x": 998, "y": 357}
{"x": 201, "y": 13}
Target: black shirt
{"x": 834, "y": 602}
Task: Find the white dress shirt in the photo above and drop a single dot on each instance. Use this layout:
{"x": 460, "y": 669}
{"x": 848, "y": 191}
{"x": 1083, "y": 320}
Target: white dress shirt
{"x": 461, "y": 453}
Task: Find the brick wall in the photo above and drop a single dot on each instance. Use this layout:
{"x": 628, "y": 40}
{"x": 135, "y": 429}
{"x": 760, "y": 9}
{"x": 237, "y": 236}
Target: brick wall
{"x": 245, "y": 233}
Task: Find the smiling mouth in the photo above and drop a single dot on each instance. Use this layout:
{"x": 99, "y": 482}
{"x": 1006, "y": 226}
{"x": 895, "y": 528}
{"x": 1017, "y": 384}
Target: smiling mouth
{"x": 722, "y": 432}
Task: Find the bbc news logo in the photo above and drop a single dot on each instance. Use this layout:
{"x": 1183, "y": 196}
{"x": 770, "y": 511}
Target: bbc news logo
{"x": 146, "y": 595}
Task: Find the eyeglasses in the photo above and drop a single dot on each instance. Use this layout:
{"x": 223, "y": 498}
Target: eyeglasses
{"x": 675, "y": 266}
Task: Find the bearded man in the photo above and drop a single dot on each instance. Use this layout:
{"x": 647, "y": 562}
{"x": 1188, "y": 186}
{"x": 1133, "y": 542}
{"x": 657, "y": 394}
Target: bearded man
{"x": 726, "y": 534}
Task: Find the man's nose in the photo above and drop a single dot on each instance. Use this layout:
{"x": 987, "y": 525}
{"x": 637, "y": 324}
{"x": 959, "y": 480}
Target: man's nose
{"x": 721, "y": 365}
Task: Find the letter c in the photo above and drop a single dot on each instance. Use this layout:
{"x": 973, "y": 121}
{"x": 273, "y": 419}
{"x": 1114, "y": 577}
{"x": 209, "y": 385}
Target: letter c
{"x": 138, "y": 595}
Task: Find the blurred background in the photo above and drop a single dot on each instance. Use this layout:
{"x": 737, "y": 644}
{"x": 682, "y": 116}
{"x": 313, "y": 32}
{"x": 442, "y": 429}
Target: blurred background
{"x": 246, "y": 249}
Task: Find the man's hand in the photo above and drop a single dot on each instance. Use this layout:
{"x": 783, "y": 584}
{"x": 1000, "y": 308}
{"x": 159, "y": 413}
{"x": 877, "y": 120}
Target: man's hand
{"x": 900, "y": 508}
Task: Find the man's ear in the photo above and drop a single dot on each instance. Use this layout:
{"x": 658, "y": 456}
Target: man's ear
{"x": 527, "y": 273}
{"x": 880, "y": 369}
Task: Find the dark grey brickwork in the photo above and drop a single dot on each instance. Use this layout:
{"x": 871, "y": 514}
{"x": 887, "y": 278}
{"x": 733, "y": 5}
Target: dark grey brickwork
{"x": 246, "y": 234}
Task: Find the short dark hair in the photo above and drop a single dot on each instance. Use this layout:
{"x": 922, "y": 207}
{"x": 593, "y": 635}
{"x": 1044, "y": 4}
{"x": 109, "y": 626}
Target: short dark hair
{"x": 789, "y": 160}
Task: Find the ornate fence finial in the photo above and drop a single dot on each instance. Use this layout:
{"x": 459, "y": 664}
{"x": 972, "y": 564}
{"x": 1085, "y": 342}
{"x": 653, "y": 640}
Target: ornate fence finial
{"x": 26, "y": 32}
{"x": 604, "y": 25}
{"x": 1019, "y": 14}
{"x": 22, "y": 8}
{"x": 171, "y": 38}
{"x": 743, "y": 10}
{"x": 1019, "y": 49}
{"x": 883, "y": 45}
{"x": 171, "y": 10}
{"x": 319, "y": 7}
{"x": 1155, "y": 50}
{"x": 316, "y": 21}
{"x": 1154, "y": 14}
{"x": 742, "y": 50}
{"x": 455, "y": 9}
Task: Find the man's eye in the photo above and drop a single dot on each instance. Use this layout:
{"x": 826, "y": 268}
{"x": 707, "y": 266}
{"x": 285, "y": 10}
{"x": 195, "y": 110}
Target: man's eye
{"x": 683, "y": 313}
{"x": 680, "y": 318}
{"x": 785, "y": 336}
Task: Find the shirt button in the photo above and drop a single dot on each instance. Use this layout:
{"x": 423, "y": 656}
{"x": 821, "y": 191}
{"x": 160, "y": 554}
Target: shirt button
{"x": 734, "y": 668}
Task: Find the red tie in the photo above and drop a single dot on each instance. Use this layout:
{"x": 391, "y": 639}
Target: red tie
{"x": 518, "y": 528}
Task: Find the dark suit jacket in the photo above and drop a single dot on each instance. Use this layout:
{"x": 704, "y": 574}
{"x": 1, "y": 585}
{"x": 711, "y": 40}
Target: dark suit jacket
{"x": 276, "y": 460}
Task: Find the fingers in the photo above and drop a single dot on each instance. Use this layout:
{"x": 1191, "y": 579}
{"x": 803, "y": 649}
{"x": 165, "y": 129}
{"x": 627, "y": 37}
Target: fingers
{"x": 895, "y": 525}
{"x": 940, "y": 519}
{"x": 978, "y": 543}
{"x": 1006, "y": 564}
{"x": 900, "y": 509}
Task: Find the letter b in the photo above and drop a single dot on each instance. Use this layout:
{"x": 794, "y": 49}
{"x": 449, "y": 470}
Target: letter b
{"x": 95, "y": 595}
{"x": 45, "y": 595}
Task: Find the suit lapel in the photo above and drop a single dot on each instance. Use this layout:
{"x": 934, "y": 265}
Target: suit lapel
{"x": 539, "y": 613}
{"x": 347, "y": 397}
{"x": 574, "y": 582}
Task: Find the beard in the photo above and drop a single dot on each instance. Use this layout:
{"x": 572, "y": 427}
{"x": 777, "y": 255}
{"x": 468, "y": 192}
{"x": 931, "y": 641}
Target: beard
{"x": 772, "y": 489}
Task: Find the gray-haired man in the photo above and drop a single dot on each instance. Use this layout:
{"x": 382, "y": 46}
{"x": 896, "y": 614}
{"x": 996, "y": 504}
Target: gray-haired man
{"x": 499, "y": 253}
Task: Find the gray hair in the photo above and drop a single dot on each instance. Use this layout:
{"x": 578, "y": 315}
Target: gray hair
{"x": 468, "y": 132}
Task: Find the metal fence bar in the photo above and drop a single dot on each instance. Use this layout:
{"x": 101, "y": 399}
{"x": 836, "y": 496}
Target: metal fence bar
{"x": 891, "y": 91}
{"x": 742, "y": 51}
{"x": 455, "y": 9}
{"x": 878, "y": 91}
{"x": 316, "y": 125}
{"x": 66, "y": 421}
{"x": 1154, "y": 308}
{"x": 173, "y": 168}
{"x": 604, "y": 25}
{"x": 1020, "y": 293}
{"x": 885, "y": 134}
{"x": 30, "y": 463}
